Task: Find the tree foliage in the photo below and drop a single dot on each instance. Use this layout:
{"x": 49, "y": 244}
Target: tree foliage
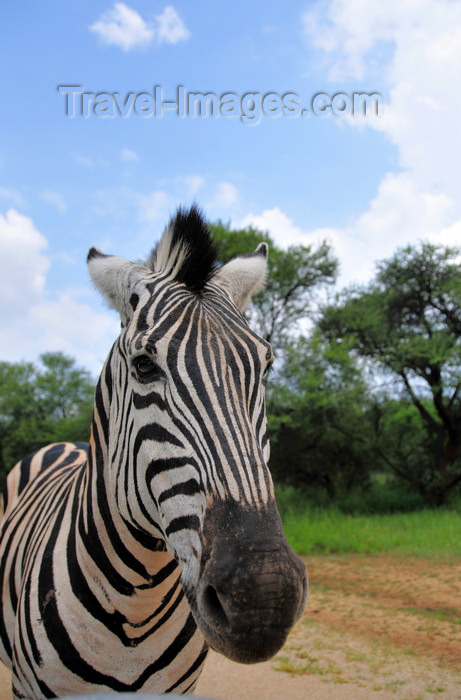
{"x": 407, "y": 322}
{"x": 371, "y": 396}
{"x": 319, "y": 413}
{"x": 295, "y": 274}
{"x": 42, "y": 404}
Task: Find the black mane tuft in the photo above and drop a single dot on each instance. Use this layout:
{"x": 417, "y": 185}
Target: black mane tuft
{"x": 187, "y": 250}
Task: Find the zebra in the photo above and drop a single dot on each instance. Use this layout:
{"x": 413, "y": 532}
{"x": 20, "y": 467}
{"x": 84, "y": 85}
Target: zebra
{"x": 123, "y": 561}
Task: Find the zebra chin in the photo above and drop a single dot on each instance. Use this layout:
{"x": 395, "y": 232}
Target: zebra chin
{"x": 252, "y": 587}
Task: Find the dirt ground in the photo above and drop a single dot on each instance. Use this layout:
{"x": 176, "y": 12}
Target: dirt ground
{"x": 375, "y": 627}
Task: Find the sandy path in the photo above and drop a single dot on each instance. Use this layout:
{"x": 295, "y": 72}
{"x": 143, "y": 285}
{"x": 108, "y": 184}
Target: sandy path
{"x": 5, "y": 683}
{"x": 376, "y": 628}
{"x": 224, "y": 680}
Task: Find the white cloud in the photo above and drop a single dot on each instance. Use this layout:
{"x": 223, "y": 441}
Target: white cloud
{"x": 83, "y": 161}
{"x": 421, "y": 116}
{"x": 154, "y": 207}
{"x": 55, "y": 199}
{"x": 13, "y": 196}
{"x": 24, "y": 265}
{"x": 225, "y": 196}
{"x": 280, "y": 227}
{"x": 151, "y": 210}
{"x": 128, "y": 155}
{"x": 170, "y": 27}
{"x": 32, "y": 320}
{"x": 124, "y": 27}
{"x": 69, "y": 324}
{"x": 193, "y": 183}
{"x": 398, "y": 215}
{"x": 89, "y": 162}
{"x": 347, "y": 31}
{"x": 418, "y": 45}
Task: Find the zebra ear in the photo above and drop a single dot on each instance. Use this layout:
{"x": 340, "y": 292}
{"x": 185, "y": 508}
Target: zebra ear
{"x": 243, "y": 277}
{"x": 116, "y": 279}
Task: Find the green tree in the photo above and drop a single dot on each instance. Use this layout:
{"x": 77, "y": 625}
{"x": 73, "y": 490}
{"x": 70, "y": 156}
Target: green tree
{"x": 42, "y": 404}
{"x": 407, "y": 324}
{"x": 295, "y": 274}
{"x": 62, "y": 388}
{"x": 319, "y": 414}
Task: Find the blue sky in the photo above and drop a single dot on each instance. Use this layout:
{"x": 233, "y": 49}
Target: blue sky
{"x": 367, "y": 184}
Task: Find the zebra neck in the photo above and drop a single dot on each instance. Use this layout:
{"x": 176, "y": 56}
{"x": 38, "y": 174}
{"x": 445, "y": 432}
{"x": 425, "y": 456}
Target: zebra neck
{"x": 124, "y": 569}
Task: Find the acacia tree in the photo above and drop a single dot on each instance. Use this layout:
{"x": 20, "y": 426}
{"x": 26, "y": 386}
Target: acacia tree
{"x": 407, "y": 323}
{"x": 295, "y": 274}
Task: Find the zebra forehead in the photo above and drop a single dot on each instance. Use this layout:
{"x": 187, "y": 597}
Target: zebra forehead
{"x": 163, "y": 301}
{"x": 177, "y": 317}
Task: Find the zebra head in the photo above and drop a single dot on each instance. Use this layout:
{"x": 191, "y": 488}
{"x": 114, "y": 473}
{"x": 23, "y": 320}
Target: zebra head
{"x": 183, "y": 433}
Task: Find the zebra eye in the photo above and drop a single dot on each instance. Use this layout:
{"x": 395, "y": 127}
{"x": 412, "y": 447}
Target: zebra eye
{"x": 146, "y": 369}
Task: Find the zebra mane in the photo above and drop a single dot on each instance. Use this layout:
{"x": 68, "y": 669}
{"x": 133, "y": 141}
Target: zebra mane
{"x": 186, "y": 250}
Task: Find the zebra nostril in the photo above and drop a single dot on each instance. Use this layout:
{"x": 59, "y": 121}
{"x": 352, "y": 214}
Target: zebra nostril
{"x": 305, "y": 593}
{"x": 213, "y": 609}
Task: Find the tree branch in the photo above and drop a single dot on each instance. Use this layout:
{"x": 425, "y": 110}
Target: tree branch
{"x": 424, "y": 413}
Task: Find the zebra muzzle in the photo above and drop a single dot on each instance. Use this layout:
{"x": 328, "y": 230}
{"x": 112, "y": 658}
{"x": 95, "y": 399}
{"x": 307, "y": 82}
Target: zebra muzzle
{"x": 252, "y": 586}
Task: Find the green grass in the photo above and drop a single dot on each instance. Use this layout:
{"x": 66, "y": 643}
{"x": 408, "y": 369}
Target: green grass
{"x": 434, "y": 534}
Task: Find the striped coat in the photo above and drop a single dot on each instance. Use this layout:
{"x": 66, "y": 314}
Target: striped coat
{"x": 121, "y": 561}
